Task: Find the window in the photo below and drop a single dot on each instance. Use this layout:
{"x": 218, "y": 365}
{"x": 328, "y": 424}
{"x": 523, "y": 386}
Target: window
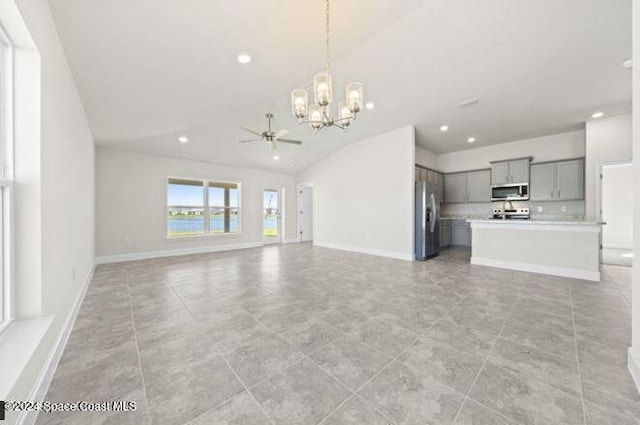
{"x": 6, "y": 175}
{"x": 186, "y": 211}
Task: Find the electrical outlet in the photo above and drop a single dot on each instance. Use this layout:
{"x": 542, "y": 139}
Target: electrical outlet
{"x": 564, "y": 208}
{"x": 127, "y": 239}
{"x": 539, "y": 209}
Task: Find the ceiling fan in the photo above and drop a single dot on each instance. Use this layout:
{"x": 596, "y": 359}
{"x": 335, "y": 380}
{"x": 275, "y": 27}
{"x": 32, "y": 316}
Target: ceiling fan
{"x": 270, "y": 136}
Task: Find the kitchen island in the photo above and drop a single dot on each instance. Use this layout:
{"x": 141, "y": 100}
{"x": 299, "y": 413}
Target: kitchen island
{"x": 559, "y": 248}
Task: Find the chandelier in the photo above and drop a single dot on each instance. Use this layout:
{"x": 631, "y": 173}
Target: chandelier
{"x": 318, "y": 114}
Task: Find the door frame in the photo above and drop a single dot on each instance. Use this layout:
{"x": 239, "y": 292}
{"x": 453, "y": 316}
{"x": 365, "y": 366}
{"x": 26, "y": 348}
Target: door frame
{"x": 280, "y": 219}
{"x": 599, "y": 175}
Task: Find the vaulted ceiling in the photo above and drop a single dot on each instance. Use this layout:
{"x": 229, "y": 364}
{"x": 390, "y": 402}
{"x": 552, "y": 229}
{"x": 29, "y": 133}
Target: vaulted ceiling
{"x": 149, "y": 71}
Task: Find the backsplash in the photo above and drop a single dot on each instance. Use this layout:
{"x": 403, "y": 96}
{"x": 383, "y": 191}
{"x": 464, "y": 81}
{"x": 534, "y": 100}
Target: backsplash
{"x": 552, "y": 210}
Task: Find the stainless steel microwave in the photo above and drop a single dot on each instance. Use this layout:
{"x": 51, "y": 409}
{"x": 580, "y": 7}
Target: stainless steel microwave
{"x": 510, "y": 192}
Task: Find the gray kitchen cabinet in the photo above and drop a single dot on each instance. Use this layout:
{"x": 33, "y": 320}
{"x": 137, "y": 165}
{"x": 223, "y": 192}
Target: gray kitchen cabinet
{"x": 514, "y": 171}
{"x": 542, "y": 186}
{"x": 478, "y": 186}
{"x": 557, "y": 181}
{"x": 460, "y": 233}
{"x": 570, "y": 179}
{"x": 445, "y": 233}
{"x": 455, "y": 188}
{"x": 472, "y": 186}
{"x": 433, "y": 177}
{"x": 519, "y": 170}
{"x": 500, "y": 173}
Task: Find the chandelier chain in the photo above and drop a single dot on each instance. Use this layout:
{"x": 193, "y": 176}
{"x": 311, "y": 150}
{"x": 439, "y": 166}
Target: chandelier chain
{"x": 328, "y": 27}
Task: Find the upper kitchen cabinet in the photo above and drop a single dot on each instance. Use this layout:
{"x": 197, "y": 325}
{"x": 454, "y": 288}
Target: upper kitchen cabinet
{"x": 513, "y": 171}
{"x": 433, "y": 177}
{"x": 542, "y": 187}
{"x": 570, "y": 179}
{"x": 557, "y": 181}
{"x": 500, "y": 173}
{"x": 479, "y": 186}
{"x": 472, "y": 186}
{"x": 455, "y": 189}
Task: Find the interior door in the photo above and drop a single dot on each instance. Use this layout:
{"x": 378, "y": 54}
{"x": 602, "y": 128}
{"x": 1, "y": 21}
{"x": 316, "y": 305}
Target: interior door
{"x": 305, "y": 213}
{"x": 272, "y": 216}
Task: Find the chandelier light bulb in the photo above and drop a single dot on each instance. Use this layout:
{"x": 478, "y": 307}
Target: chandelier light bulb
{"x": 299, "y": 103}
{"x": 346, "y": 117}
{"x": 354, "y": 97}
{"x": 322, "y": 88}
{"x": 315, "y": 117}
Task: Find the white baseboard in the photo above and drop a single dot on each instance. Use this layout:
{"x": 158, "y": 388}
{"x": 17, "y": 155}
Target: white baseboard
{"x": 294, "y": 240}
{"x": 120, "y": 258}
{"x": 618, "y": 246}
{"x": 536, "y": 268}
{"x": 634, "y": 369}
{"x": 361, "y": 250}
{"x": 41, "y": 386}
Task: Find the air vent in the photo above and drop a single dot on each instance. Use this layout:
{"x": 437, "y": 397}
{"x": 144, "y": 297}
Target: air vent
{"x": 469, "y": 102}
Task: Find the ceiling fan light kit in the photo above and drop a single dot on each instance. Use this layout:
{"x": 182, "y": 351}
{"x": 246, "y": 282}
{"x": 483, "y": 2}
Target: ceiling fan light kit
{"x": 318, "y": 114}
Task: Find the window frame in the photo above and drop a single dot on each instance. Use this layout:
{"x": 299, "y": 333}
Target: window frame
{"x": 7, "y": 291}
{"x": 206, "y": 208}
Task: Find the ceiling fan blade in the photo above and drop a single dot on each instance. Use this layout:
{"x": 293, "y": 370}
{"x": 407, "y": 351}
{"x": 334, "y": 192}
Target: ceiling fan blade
{"x": 250, "y": 140}
{"x": 281, "y": 133}
{"x": 252, "y": 131}
{"x": 293, "y": 142}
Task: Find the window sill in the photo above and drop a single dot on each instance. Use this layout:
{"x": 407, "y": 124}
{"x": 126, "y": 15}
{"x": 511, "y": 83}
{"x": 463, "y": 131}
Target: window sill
{"x": 203, "y": 236}
{"x": 18, "y": 342}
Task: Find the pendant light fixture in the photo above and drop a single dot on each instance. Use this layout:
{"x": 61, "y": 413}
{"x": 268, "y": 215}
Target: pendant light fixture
{"x": 318, "y": 114}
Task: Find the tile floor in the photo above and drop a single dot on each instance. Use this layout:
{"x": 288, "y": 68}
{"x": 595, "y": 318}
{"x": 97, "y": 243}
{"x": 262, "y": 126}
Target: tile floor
{"x": 301, "y": 335}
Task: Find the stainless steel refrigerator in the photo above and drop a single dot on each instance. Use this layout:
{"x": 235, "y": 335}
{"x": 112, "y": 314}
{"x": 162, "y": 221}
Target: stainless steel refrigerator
{"x": 427, "y": 235}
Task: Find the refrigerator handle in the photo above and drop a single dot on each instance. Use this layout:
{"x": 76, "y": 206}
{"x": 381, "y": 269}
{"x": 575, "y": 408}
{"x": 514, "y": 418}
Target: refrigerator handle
{"x": 434, "y": 211}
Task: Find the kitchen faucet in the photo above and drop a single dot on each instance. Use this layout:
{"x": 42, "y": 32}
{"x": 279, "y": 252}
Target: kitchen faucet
{"x": 504, "y": 209}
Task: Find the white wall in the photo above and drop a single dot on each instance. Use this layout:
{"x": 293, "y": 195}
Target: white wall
{"x": 364, "y": 195}
{"x": 617, "y": 206}
{"x": 634, "y": 352}
{"x": 546, "y": 148}
{"x": 426, "y": 158}
{"x": 607, "y": 139}
{"x": 131, "y": 204}
{"x": 64, "y": 188}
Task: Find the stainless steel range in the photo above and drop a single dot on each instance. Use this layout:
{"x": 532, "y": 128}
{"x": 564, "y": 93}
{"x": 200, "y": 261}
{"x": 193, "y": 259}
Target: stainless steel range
{"x": 511, "y": 213}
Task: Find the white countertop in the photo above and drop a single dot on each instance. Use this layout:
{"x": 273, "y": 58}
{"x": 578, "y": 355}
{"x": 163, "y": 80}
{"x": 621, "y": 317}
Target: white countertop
{"x": 536, "y": 222}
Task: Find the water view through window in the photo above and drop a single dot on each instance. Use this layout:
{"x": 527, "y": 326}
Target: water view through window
{"x": 187, "y": 215}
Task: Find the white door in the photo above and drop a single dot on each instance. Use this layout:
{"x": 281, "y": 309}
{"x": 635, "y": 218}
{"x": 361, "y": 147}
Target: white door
{"x": 305, "y": 213}
{"x": 616, "y": 209}
{"x": 272, "y": 216}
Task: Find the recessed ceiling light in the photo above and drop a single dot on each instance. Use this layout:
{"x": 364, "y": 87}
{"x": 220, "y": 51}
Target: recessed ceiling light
{"x": 444, "y": 128}
{"x": 597, "y": 114}
{"x": 370, "y": 105}
{"x": 183, "y": 139}
{"x": 471, "y": 139}
{"x": 628, "y": 64}
{"x": 276, "y": 157}
{"x": 244, "y": 58}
